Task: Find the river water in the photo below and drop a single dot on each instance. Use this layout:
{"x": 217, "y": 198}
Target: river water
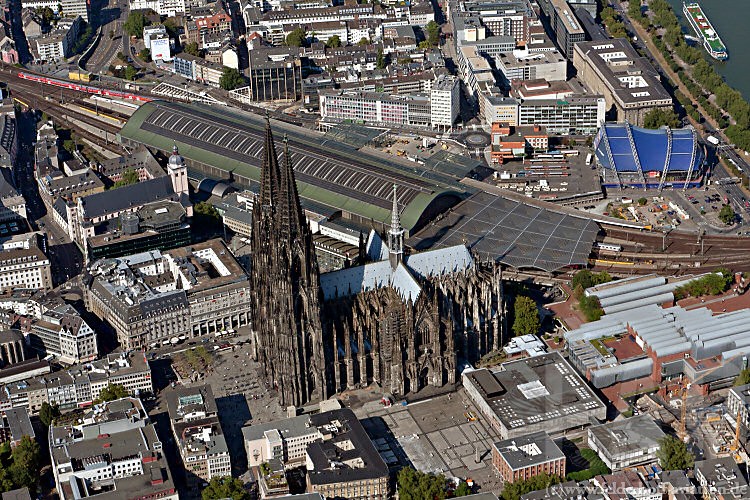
{"x": 730, "y": 19}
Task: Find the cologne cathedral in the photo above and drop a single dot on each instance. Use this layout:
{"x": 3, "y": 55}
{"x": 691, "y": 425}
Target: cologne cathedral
{"x": 403, "y": 321}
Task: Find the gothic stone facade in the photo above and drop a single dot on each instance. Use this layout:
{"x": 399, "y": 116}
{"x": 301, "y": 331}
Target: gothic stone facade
{"x": 405, "y": 346}
{"x": 409, "y": 329}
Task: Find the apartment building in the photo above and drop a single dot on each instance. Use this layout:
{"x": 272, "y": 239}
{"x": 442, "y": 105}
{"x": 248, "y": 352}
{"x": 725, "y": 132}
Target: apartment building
{"x": 57, "y": 44}
{"x": 25, "y": 269}
{"x": 169, "y": 8}
{"x": 376, "y": 108}
{"x": 112, "y": 452}
{"x": 195, "y": 423}
{"x": 79, "y": 385}
{"x": 63, "y": 333}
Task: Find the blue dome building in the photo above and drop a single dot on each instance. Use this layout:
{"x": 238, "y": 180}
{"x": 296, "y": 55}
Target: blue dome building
{"x": 638, "y": 157}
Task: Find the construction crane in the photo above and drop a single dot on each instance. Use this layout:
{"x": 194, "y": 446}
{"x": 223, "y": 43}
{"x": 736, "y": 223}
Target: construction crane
{"x": 682, "y": 429}
{"x": 736, "y": 443}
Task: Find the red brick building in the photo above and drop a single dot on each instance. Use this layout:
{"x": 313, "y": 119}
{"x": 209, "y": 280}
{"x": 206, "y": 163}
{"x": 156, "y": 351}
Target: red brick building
{"x": 527, "y": 456}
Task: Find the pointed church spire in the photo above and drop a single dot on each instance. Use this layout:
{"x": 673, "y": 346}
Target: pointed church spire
{"x": 395, "y": 234}
{"x": 269, "y": 176}
{"x": 395, "y": 217}
{"x": 291, "y": 217}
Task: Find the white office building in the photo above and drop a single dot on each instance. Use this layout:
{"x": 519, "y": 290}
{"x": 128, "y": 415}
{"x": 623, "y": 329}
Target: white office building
{"x": 445, "y": 101}
{"x": 161, "y": 49}
{"x": 168, "y": 8}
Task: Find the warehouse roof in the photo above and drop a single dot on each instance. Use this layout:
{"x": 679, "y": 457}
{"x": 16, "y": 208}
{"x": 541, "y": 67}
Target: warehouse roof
{"x": 327, "y": 171}
{"x": 514, "y": 233}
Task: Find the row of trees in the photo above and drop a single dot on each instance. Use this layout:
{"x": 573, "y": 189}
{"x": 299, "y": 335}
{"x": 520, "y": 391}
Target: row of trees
{"x": 613, "y": 22}
{"x": 711, "y": 284}
{"x": 589, "y": 305}
{"x": 514, "y": 490}
{"x": 416, "y": 485}
{"x": 659, "y": 117}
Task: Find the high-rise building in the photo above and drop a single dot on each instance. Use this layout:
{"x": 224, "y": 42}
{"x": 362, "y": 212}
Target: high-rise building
{"x": 565, "y": 27}
{"x": 445, "y": 101}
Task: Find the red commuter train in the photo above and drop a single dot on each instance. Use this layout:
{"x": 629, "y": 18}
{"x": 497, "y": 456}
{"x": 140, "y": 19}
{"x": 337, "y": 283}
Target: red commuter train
{"x": 83, "y": 88}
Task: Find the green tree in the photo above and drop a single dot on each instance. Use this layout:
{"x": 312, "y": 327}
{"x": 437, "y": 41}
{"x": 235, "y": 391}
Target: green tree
{"x": 424, "y": 44}
{"x": 47, "y": 413}
{"x": 130, "y": 72}
{"x": 334, "y": 41}
{"x": 514, "y": 490}
{"x": 433, "y": 33}
{"x": 462, "y": 490}
{"x": 231, "y": 79}
{"x": 192, "y": 49}
{"x": 129, "y": 177}
{"x": 206, "y": 212}
{"x": 70, "y": 146}
{"x": 145, "y": 55}
{"x": 673, "y": 454}
{"x": 297, "y": 38}
{"x": 642, "y": 201}
{"x": 526, "y": 316}
{"x": 363, "y": 41}
{"x": 743, "y": 378}
{"x": 416, "y": 485}
{"x": 659, "y": 117}
{"x": 135, "y": 23}
{"x": 225, "y": 487}
{"x": 380, "y": 62}
{"x": 110, "y": 393}
{"x": 726, "y": 214}
{"x": 46, "y": 14}
{"x": 26, "y": 461}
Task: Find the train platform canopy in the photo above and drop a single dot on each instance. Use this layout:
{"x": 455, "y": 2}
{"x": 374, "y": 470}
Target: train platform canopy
{"x": 352, "y": 134}
{"x": 513, "y": 233}
{"x": 455, "y": 165}
{"x": 227, "y": 144}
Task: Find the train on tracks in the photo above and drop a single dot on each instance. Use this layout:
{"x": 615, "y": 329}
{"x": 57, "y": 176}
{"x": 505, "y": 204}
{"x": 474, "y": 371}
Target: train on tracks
{"x": 83, "y": 88}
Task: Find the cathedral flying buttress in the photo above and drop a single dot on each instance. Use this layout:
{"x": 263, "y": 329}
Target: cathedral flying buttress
{"x": 403, "y": 322}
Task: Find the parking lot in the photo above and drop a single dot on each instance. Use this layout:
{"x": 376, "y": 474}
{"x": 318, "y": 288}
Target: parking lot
{"x": 436, "y": 436}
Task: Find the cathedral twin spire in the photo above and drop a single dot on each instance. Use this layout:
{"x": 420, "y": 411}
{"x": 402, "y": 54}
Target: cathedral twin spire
{"x": 278, "y": 189}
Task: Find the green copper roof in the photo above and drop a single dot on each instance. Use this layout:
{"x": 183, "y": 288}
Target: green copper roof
{"x": 328, "y": 172}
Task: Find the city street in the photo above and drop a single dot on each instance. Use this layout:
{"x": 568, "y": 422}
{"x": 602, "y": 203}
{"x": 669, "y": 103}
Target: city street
{"x": 67, "y": 260}
{"x": 111, "y": 19}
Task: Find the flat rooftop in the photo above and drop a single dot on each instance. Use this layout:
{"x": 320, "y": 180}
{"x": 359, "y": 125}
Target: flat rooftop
{"x": 628, "y": 75}
{"x": 529, "y": 450}
{"x": 534, "y": 390}
{"x": 629, "y": 436}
